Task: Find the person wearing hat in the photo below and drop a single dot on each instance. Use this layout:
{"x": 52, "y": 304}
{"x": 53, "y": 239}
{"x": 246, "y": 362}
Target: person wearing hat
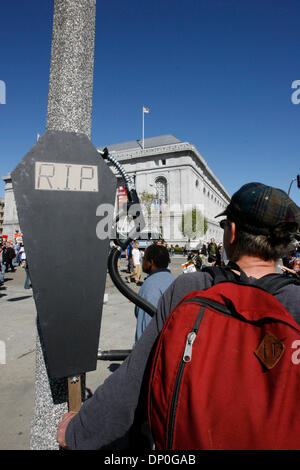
{"x": 260, "y": 227}
{"x": 260, "y": 224}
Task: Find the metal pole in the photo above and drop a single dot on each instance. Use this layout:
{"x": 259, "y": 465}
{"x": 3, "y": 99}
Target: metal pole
{"x": 143, "y": 129}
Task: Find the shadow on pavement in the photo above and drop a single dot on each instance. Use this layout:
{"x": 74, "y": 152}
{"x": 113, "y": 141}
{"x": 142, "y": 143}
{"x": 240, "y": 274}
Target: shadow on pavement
{"x": 113, "y": 367}
{"x": 15, "y": 299}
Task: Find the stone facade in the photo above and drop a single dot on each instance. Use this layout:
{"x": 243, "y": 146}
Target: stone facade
{"x": 175, "y": 172}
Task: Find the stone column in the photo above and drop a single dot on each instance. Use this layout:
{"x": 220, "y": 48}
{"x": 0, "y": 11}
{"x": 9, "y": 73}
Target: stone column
{"x": 70, "y": 110}
{"x": 11, "y": 221}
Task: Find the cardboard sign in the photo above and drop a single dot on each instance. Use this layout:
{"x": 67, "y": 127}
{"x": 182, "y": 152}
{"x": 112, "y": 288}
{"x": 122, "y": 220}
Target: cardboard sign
{"x": 58, "y": 187}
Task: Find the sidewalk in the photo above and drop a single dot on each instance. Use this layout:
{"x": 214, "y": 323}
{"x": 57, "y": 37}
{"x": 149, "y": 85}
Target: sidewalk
{"x": 18, "y": 332}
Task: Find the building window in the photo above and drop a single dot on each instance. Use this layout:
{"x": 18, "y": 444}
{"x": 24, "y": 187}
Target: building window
{"x": 163, "y": 160}
{"x": 161, "y": 185}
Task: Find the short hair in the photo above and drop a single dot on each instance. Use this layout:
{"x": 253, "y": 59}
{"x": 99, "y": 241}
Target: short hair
{"x": 266, "y": 247}
{"x": 158, "y": 254}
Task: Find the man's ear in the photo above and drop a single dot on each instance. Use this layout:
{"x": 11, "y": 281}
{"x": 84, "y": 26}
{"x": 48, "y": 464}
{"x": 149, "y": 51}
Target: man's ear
{"x": 152, "y": 264}
{"x": 233, "y": 233}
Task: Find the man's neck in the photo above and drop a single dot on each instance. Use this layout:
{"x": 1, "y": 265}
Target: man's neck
{"x": 256, "y": 267}
{"x": 153, "y": 270}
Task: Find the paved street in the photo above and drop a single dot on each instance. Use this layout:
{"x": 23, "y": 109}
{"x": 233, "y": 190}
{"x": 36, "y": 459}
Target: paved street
{"x": 18, "y": 332}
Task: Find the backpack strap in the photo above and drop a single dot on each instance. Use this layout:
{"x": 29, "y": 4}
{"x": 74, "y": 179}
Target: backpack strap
{"x": 271, "y": 283}
{"x": 226, "y": 273}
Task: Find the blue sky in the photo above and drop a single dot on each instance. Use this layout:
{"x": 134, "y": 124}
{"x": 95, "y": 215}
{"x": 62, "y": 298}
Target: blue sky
{"x": 214, "y": 73}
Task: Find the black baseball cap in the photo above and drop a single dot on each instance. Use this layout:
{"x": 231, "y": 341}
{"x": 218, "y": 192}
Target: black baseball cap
{"x": 264, "y": 210}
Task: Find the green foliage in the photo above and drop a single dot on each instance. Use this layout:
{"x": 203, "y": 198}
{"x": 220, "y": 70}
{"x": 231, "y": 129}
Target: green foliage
{"x": 193, "y": 224}
{"x": 147, "y": 199}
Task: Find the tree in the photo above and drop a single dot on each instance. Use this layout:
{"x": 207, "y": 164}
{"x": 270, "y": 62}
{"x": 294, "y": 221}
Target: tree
{"x": 193, "y": 224}
{"x": 147, "y": 200}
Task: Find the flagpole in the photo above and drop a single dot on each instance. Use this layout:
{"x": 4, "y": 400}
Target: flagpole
{"x": 143, "y": 129}
{"x": 145, "y": 110}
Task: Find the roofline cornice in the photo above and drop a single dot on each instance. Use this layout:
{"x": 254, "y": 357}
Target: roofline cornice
{"x": 123, "y": 155}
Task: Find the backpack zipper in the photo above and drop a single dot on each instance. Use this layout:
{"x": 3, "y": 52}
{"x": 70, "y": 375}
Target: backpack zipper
{"x": 186, "y": 358}
{"x": 187, "y": 355}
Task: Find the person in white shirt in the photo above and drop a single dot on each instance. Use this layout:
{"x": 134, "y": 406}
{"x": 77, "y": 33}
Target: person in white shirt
{"x": 136, "y": 259}
{"x": 22, "y": 255}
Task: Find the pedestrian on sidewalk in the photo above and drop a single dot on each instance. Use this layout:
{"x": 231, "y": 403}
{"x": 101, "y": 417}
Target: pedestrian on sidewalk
{"x": 2, "y": 265}
{"x": 9, "y": 255}
{"x": 128, "y": 254}
{"x": 27, "y": 284}
{"x": 136, "y": 260}
{"x": 155, "y": 264}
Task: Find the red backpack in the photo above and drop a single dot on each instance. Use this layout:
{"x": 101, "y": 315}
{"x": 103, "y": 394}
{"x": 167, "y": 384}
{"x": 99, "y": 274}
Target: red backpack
{"x": 226, "y": 370}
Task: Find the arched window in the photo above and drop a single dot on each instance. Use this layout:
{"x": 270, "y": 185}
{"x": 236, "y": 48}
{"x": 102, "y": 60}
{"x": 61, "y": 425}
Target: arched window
{"x": 161, "y": 185}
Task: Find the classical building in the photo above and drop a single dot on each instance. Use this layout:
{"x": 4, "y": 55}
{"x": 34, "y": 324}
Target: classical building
{"x": 174, "y": 177}
{"x": 179, "y": 179}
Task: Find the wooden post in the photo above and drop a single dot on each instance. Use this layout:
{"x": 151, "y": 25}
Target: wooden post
{"x": 74, "y": 393}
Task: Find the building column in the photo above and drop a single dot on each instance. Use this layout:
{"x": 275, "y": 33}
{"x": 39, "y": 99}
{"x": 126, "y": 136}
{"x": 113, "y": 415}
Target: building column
{"x": 11, "y": 221}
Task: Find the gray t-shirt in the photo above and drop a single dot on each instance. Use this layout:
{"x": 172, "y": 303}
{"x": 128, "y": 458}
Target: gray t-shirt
{"x": 109, "y": 414}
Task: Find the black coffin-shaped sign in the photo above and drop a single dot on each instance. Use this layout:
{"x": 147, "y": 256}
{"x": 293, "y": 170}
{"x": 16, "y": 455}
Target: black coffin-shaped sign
{"x": 58, "y": 187}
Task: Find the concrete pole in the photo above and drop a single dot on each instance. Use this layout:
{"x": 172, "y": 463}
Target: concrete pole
{"x": 72, "y": 65}
{"x": 70, "y": 110}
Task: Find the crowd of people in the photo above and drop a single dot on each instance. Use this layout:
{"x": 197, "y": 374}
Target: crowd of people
{"x": 210, "y": 254}
{"x": 291, "y": 262}
{"x": 11, "y": 256}
{"x": 8, "y": 257}
{"x": 155, "y": 262}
